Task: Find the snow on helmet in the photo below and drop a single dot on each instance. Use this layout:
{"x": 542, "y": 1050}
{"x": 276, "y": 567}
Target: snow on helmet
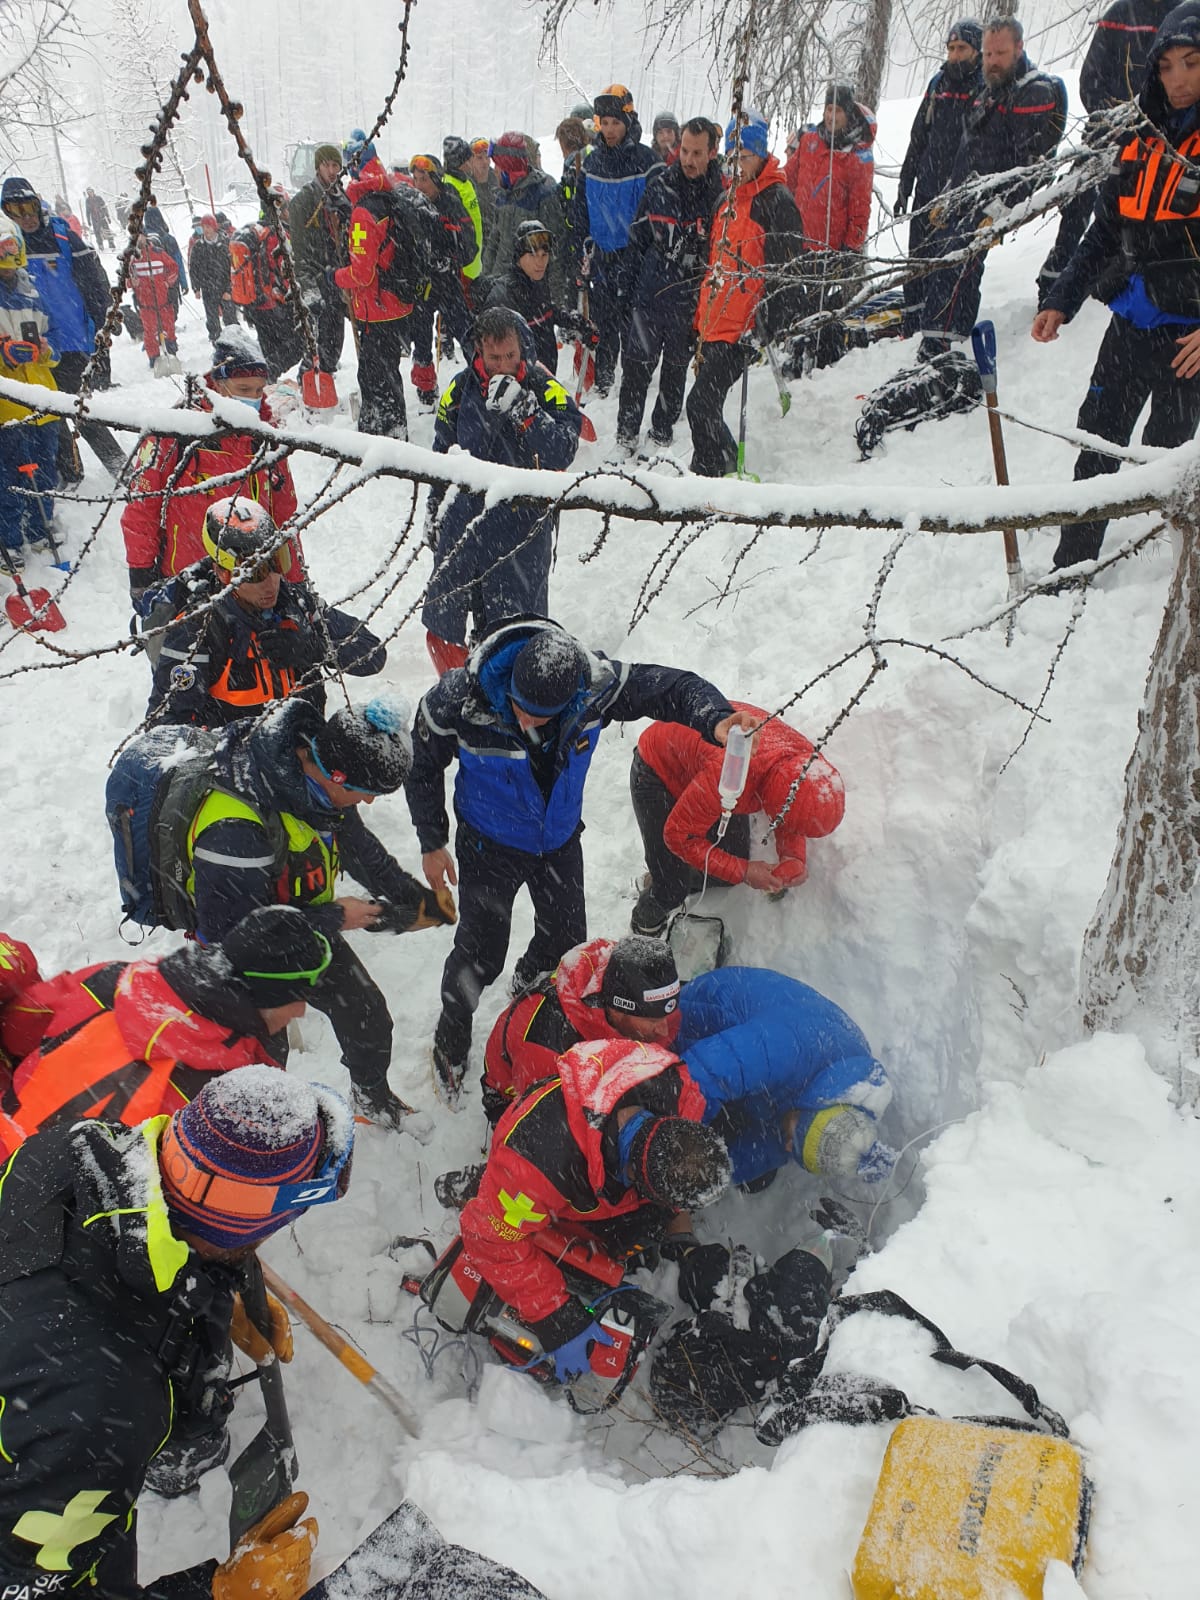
{"x": 236, "y": 354}
{"x": 532, "y": 235}
{"x": 241, "y": 538}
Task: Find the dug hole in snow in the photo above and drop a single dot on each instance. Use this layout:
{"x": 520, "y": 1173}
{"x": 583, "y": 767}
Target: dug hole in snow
{"x": 1051, "y": 1226}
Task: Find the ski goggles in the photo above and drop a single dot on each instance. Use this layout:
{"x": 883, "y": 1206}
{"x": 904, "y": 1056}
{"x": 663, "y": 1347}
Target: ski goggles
{"x": 310, "y": 975}
{"x": 32, "y": 209}
{"x": 424, "y": 164}
{"x": 251, "y": 569}
{"x": 193, "y": 1188}
{"x": 481, "y": 147}
{"x": 536, "y": 244}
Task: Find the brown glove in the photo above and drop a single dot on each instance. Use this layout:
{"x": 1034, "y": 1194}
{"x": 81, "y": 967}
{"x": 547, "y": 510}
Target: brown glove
{"x": 248, "y": 1339}
{"x": 273, "y": 1560}
{"x": 437, "y": 910}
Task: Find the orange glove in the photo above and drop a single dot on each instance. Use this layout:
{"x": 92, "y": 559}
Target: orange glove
{"x": 438, "y": 915}
{"x": 274, "y": 1560}
{"x": 248, "y": 1339}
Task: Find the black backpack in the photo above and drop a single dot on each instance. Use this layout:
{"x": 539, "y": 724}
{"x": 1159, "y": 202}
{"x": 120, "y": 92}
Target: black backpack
{"x": 924, "y": 393}
{"x": 424, "y": 248}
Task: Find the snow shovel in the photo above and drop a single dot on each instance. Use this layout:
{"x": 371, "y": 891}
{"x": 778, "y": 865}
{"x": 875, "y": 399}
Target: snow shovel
{"x": 317, "y": 389}
{"x": 740, "y": 470}
{"x": 263, "y": 1475}
{"x": 31, "y": 609}
{"x": 29, "y": 470}
{"x": 983, "y": 341}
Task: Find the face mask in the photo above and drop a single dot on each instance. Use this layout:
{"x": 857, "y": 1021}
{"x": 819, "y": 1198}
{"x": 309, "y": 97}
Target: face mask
{"x": 245, "y": 400}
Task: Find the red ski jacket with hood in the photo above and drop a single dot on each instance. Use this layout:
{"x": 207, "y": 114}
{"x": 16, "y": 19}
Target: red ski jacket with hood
{"x": 552, "y": 1164}
{"x": 832, "y": 184}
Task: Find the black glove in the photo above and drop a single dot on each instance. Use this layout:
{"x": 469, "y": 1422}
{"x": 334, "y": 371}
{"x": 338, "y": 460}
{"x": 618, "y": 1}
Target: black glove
{"x": 141, "y": 579}
{"x": 901, "y": 205}
{"x": 700, "y": 1271}
{"x": 288, "y": 647}
{"x": 578, "y": 326}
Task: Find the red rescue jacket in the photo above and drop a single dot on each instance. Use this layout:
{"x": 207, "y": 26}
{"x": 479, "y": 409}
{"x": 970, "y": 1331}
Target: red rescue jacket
{"x": 154, "y": 275}
{"x": 371, "y": 249}
{"x": 530, "y": 1035}
{"x": 116, "y": 1042}
{"x": 833, "y": 187}
{"x": 690, "y": 769}
{"x": 170, "y": 537}
{"x": 551, "y": 1165}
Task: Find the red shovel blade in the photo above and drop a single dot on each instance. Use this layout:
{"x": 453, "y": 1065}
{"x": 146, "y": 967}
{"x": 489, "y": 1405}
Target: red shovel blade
{"x": 34, "y": 611}
{"x": 584, "y": 367}
{"x": 317, "y": 390}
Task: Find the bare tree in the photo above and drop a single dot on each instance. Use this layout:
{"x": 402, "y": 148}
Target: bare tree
{"x": 140, "y": 38}
{"x": 35, "y": 38}
{"x": 1142, "y": 951}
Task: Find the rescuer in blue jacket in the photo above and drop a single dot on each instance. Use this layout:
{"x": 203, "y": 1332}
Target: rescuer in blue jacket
{"x": 523, "y": 717}
{"x": 785, "y": 1075}
{"x": 606, "y": 202}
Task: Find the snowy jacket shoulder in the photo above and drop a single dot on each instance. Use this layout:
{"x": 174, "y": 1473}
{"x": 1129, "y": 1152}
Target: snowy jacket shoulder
{"x": 1114, "y": 69}
{"x": 553, "y": 1159}
{"x": 936, "y": 133}
{"x": 1014, "y": 125}
{"x": 101, "y": 1306}
{"x": 22, "y": 313}
{"x": 468, "y": 715}
{"x": 747, "y": 1031}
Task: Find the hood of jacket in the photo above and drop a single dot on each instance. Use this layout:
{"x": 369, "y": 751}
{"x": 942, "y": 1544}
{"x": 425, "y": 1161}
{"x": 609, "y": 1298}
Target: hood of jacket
{"x": 1178, "y": 27}
{"x": 490, "y": 665}
{"x": 598, "y": 1075}
{"x": 858, "y": 134}
{"x": 578, "y": 980}
{"x": 257, "y": 760}
{"x": 190, "y": 1007}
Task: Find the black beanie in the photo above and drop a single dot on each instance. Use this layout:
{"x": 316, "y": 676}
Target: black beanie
{"x": 547, "y": 673}
{"x": 967, "y": 31}
{"x": 269, "y": 949}
{"x": 679, "y": 1164}
{"x": 641, "y": 978}
{"x": 842, "y": 94}
{"x": 368, "y": 750}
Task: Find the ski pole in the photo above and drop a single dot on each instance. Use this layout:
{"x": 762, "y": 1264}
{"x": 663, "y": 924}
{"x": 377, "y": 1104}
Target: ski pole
{"x": 983, "y": 341}
{"x": 740, "y": 471}
{"x": 355, "y": 1363}
{"x": 29, "y": 470}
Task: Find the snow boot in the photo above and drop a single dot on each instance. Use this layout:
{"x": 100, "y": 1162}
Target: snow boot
{"x": 662, "y": 437}
{"x": 525, "y": 975}
{"x": 180, "y": 1464}
{"x": 454, "y": 1189}
{"x": 650, "y": 917}
{"x": 451, "y": 1050}
{"x": 379, "y": 1105}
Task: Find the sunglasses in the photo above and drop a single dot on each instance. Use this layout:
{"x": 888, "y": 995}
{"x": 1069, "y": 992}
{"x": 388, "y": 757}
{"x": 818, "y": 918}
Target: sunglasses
{"x": 252, "y": 1202}
{"x": 312, "y": 975}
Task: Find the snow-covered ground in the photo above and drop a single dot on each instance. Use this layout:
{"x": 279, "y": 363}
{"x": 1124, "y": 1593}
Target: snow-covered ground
{"x": 1051, "y": 1223}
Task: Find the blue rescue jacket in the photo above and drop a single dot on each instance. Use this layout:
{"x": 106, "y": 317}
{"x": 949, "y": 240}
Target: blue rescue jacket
{"x": 610, "y": 190}
{"x": 54, "y": 262}
{"x": 496, "y": 790}
{"x": 937, "y": 131}
{"x": 757, "y": 1045}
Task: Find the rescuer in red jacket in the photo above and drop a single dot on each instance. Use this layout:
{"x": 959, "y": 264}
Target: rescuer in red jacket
{"x": 130, "y": 1040}
{"x": 599, "y": 990}
{"x": 163, "y": 522}
{"x": 153, "y": 275}
{"x": 616, "y": 1133}
{"x": 831, "y": 170}
{"x": 674, "y": 787}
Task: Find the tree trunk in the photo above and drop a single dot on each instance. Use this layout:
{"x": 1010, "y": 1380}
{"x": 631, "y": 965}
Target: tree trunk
{"x": 1142, "y": 952}
{"x": 873, "y": 53}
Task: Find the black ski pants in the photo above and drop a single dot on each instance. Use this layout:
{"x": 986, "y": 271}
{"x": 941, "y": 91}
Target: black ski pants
{"x": 671, "y": 878}
{"x": 952, "y": 293}
{"x": 489, "y": 876}
{"x": 219, "y": 311}
{"x": 1133, "y": 366}
{"x": 68, "y": 375}
{"x": 714, "y": 448}
{"x": 919, "y": 249}
{"x": 647, "y": 339}
{"x": 381, "y": 348}
{"x": 329, "y": 319}
{"x": 362, "y": 1024}
{"x": 279, "y": 337}
{"x": 445, "y": 296}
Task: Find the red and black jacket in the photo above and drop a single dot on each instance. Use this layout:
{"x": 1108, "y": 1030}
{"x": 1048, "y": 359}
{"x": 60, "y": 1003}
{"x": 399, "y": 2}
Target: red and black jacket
{"x": 553, "y": 1163}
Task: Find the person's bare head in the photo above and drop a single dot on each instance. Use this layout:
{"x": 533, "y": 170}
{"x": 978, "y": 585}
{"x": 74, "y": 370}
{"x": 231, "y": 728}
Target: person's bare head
{"x": 697, "y": 146}
{"x": 1003, "y": 43}
{"x": 498, "y": 341}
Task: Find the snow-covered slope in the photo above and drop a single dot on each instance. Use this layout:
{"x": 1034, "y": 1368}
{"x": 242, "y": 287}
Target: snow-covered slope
{"x": 1051, "y": 1226}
